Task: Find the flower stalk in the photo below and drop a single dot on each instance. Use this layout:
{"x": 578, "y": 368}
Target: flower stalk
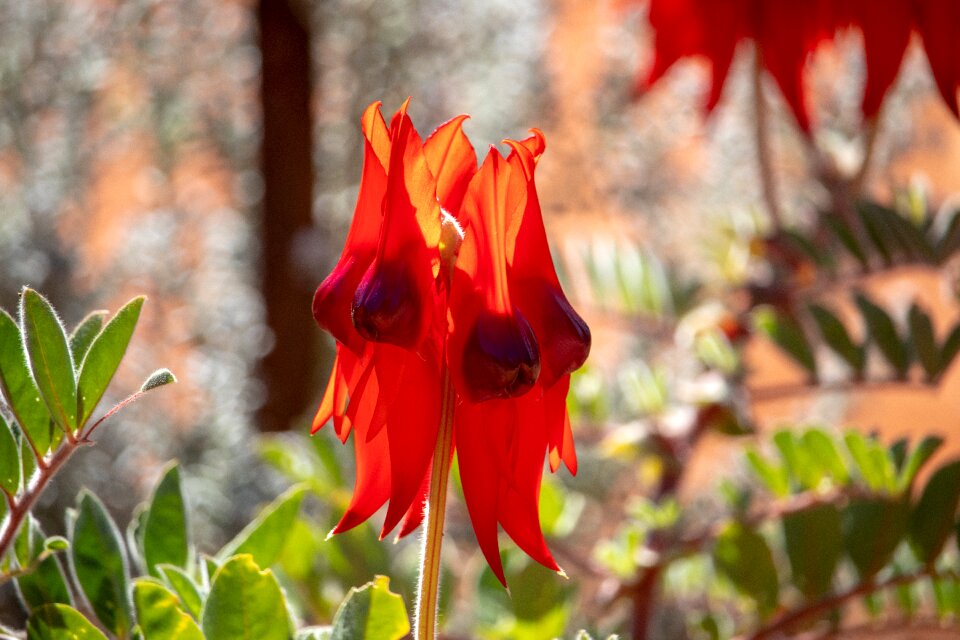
{"x": 428, "y": 588}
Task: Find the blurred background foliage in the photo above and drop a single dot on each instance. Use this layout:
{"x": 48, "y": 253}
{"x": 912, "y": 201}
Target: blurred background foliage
{"x": 130, "y": 164}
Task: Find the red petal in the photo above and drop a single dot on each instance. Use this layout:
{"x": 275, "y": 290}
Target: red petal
{"x": 414, "y": 418}
{"x": 372, "y": 487}
{"x": 938, "y": 22}
{"x": 452, "y": 161}
{"x": 477, "y": 458}
{"x": 886, "y": 33}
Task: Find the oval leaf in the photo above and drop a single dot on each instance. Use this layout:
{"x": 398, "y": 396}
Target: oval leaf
{"x": 371, "y": 612}
{"x": 814, "y": 543}
{"x": 836, "y": 336}
{"x": 49, "y": 357}
{"x": 84, "y": 333}
{"x": 46, "y": 584}
{"x": 158, "y": 378}
{"x": 884, "y": 334}
{"x": 872, "y": 529}
{"x": 924, "y": 343}
{"x": 184, "y": 586}
{"x": 100, "y": 566}
{"x": 9, "y": 459}
{"x": 743, "y": 556}
{"x": 18, "y": 386}
{"x": 165, "y": 538}
{"x": 160, "y": 615}
{"x": 786, "y": 333}
{"x": 245, "y": 603}
{"x": 60, "y": 622}
{"x": 265, "y": 536}
{"x": 104, "y": 356}
{"x": 932, "y": 520}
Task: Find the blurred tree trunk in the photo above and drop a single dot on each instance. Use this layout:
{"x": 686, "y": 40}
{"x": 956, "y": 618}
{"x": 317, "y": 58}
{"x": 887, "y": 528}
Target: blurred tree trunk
{"x": 285, "y": 157}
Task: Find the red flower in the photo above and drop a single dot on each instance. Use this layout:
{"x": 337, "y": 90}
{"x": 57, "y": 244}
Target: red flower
{"x": 788, "y": 31}
{"x": 386, "y": 303}
{"x": 514, "y": 342}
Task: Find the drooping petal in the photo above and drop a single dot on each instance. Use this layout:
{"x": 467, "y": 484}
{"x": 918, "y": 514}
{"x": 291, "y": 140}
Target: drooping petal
{"x": 563, "y": 336}
{"x": 372, "y": 487}
{"x": 480, "y": 427}
{"x": 494, "y": 352}
{"x": 938, "y": 22}
{"x": 334, "y": 297}
{"x": 885, "y": 25}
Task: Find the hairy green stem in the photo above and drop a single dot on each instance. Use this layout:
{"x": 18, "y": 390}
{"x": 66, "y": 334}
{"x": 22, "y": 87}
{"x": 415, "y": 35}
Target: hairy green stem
{"x": 425, "y": 622}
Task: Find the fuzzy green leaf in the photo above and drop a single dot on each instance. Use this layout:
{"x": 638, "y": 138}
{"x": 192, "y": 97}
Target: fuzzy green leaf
{"x": 9, "y": 460}
{"x": 184, "y": 586}
{"x": 932, "y": 520}
{"x": 846, "y": 237}
{"x": 918, "y": 457}
{"x": 245, "y": 603}
{"x": 49, "y": 357}
{"x": 84, "y": 333}
{"x": 46, "y": 584}
{"x": 823, "y": 452}
{"x": 60, "y": 622}
{"x": 160, "y": 614}
{"x": 951, "y": 346}
{"x": 371, "y": 612}
{"x": 104, "y": 356}
{"x": 18, "y": 386}
{"x": 158, "y": 378}
{"x": 265, "y": 537}
{"x": 773, "y": 476}
{"x": 165, "y": 532}
{"x": 100, "y": 566}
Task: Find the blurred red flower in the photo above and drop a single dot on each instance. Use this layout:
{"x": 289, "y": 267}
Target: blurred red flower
{"x": 500, "y": 322}
{"x": 786, "y": 32}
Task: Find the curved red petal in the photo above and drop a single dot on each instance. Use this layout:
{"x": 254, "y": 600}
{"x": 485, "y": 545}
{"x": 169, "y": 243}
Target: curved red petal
{"x": 476, "y": 428}
{"x": 886, "y": 33}
{"x": 372, "y": 486}
{"x": 452, "y": 161}
{"x": 938, "y": 22}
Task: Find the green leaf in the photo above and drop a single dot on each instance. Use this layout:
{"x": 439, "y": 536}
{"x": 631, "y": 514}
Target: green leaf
{"x": 371, "y": 612}
{"x": 743, "y": 556}
{"x": 919, "y": 456}
{"x": 847, "y": 238}
{"x": 265, "y": 537}
{"x": 49, "y": 357}
{"x": 883, "y": 332}
{"x": 951, "y": 346}
{"x": 798, "y": 460}
{"x": 83, "y": 334}
{"x": 814, "y": 543}
{"x": 875, "y": 466}
{"x": 9, "y": 460}
{"x": 60, "y": 622}
{"x": 924, "y": 343}
{"x": 774, "y": 477}
{"x": 876, "y": 232}
{"x": 786, "y": 333}
{"x": 872, "y": 529}
{"x": 160, "y": 614}
{"x": 932, "y": 520}
{"x": 165, "y": 533}
{"x": 100, "y": 566}
{"x": 56, "y": 543}
{"x": 184, "y": 586}
{"x": 836, "y": 337}
{"x": 158, "y": 378}
{"x": 104, "y": 356}
{"x": 46, "y": 584}
{"x": 822, "y": 450}
{"x": 245, "y": 603}
{"x": 950, "y": 240}
{"x": 21, "y": 391}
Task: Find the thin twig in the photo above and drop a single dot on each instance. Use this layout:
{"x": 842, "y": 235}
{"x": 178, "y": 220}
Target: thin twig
{"x": 784, "y": 623}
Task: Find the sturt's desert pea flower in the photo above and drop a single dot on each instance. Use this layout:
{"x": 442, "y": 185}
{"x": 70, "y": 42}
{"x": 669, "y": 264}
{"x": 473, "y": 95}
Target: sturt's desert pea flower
{"x": 447, "y": 275}
{"x": 787, "y": 32}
